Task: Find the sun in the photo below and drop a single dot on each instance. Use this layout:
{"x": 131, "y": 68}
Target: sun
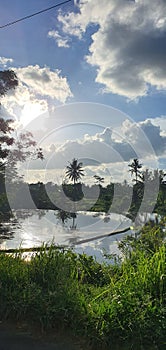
{"x": 30, "y": 112}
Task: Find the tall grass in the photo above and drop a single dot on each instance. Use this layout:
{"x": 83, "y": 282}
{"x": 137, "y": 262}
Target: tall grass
{"x": 107, "y": 305}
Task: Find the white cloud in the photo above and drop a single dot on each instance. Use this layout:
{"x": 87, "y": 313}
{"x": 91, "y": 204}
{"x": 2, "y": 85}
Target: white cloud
{"x": 60, "y": 40}
{"x": 135, "y": 140}
{"x": 45, "y": 82}
{"x": 102, "y": 153}
{"x": 128, "y": 46}
{"x": 161, "y": 122}
{"x": 141, "y": 133}
{"x": 4, "y": 61}
{"x": 39, "y": 89}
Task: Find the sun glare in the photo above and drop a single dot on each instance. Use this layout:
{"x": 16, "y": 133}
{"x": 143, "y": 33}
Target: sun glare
{"x": 30, "y": 112}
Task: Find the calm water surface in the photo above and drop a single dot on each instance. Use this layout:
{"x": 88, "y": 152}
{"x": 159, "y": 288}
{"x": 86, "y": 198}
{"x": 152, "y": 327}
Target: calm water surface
{"x": 34, "y": 227}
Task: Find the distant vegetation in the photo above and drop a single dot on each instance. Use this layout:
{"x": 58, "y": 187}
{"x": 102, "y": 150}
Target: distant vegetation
{"x": 20, "y": 195}
{"x": 106, "y": 201}
{"x": 106, "y": 305}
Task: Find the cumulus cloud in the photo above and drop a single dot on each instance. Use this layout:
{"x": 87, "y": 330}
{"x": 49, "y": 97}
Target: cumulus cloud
{"x": 128, "y": 46}
{"x": 38, "y": 89}
{"x": 5, "y": 61}
{"x": 60, "y": 40}
{"x": 141, "y": 133}
{"x": 135, "y": 140}
{"x": 106, "y": 153}
{"x": 161, "y": 122}
{"x": 45, "y": 82}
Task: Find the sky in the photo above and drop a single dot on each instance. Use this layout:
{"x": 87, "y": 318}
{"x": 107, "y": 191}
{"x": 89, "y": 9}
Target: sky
{"x": 92, "y": 83}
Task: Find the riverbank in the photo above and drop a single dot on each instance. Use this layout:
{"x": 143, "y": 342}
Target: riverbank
{"x": 106, "y": 305}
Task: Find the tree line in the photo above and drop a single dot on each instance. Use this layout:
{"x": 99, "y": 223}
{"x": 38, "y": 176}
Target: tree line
{"x": 14, "y": 150}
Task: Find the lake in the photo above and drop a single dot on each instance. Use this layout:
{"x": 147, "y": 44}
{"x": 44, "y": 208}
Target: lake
{"x": 31, "y": 228}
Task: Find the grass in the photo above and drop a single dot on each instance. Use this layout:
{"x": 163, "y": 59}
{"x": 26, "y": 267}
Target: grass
{"x": 107, "y": 305}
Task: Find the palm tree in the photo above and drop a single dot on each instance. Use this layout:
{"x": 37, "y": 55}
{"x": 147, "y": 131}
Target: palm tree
{"x": 63, "y": 215}
{"x": 147, "y": 175}
{"x": 74, "y": 171}
{"x": 99, "y": 180}
{"x": 135, "y": 167}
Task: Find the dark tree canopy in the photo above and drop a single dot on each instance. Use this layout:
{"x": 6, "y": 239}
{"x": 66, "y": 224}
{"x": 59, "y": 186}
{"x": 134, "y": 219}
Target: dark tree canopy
{"x": 8, "y": 81}
{"x": 99, "y": 179}
{"x": 5, "y": 139}
{"x": 13, "y": 150}
{"x": 75, "y": 170}
{"x": 135, "y": 167}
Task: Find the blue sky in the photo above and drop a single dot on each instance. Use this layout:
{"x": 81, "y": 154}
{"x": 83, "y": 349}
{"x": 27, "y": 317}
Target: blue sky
{"x": 109, "y": 52}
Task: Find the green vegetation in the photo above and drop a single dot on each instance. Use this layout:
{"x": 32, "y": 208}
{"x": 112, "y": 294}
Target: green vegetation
{"x": 107, "y": 305}
{"x": 127, "y": 200}
{"x": 13, "y": 149}
{"x": 135, "y": 167}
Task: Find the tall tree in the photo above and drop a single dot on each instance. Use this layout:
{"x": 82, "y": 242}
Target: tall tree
{"x": 75, "y": 171}
{"x": 135, "y": 167}
{"x": 12, "y": 149}
{"x": 8, "y": 81}
{"x": 23, "y": 149}
{"x": 6, "y": 139}
{"x": 147, "y": 175}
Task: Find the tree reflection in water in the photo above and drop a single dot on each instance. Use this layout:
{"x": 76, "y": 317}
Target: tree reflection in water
{"x": 63, "y": 216}
{"x": 74, "y": 225}
{"x": 7, "y": 224}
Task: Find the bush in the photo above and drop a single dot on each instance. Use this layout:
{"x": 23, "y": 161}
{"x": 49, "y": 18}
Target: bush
{"x": 106, "y": 304}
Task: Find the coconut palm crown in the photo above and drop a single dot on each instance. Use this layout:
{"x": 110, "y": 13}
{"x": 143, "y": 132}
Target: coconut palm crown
{"x": 74, "y": 170}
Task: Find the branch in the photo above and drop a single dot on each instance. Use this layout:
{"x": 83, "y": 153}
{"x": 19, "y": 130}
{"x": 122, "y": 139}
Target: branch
{"x": 38, "y": 249}
{"x": 103, "y": 236}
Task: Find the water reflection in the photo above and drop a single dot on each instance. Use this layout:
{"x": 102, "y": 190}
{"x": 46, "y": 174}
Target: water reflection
{"x": 63, "y": 216}
{"x": 70, "y": 229}
{"x": 8, "y": 224}
{"x": 87, "y": 232}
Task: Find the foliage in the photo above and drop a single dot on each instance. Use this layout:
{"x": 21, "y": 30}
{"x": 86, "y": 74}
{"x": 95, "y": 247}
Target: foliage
{"x": 135, "y": 167}
{"x": 63, "y": 215}
{"x": 12, "y": 149}
{"x": 127, "y": 200}
{"x": 8, "y": 81}
{"x": 99, "y": 179}
{"x": 107, "y": 305}
{"x": 74, "y": 171}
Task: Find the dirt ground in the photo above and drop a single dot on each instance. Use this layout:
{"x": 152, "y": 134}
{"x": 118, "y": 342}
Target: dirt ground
{"x": 14, "y": 337}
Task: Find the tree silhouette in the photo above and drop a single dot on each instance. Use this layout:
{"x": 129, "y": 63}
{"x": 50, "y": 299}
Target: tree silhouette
{"x": 99, "y": 180}
{"x": 13, "y": 149}
{"x": 8, "y": 81}
{"x": 63, "y": 215}
{"x": 147, "y": 175}
{"x": 135, "y": 167}
{"x": 74, "y": 171}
